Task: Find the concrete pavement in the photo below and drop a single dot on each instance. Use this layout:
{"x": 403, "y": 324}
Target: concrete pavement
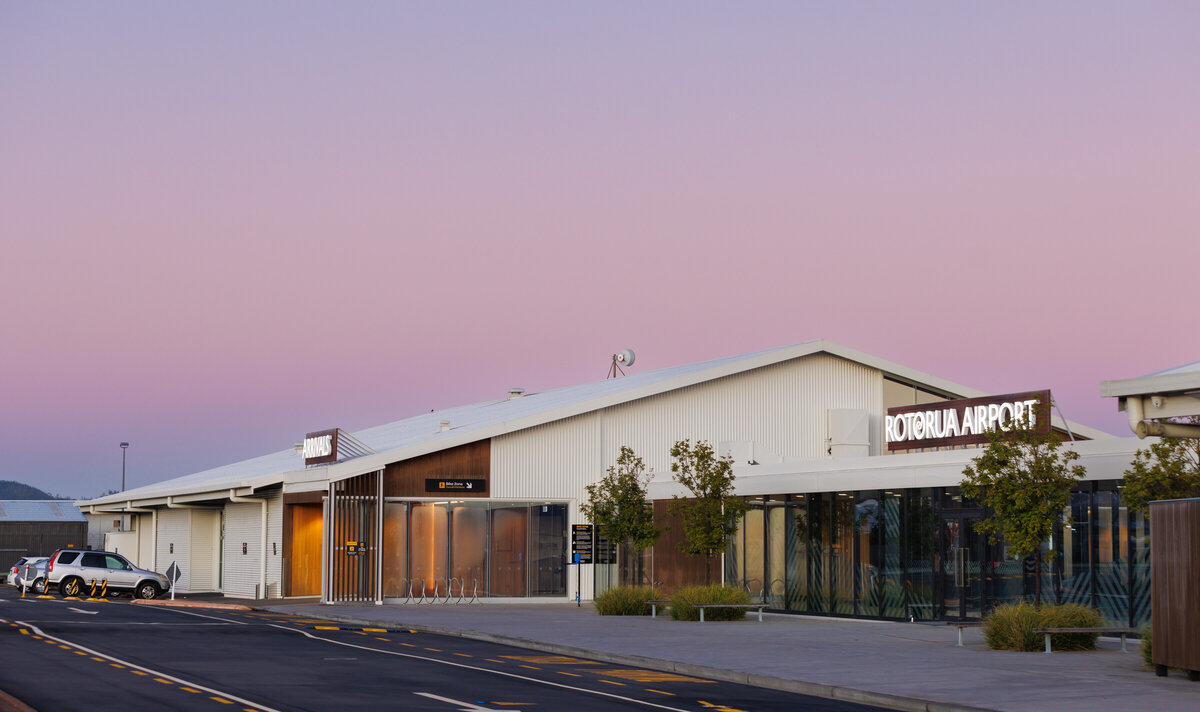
{"x": 910, "y": 666}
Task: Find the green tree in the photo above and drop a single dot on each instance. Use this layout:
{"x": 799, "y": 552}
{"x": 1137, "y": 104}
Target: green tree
{"x": 617, "y": 506}
{"x": 710, "y": 516}
{"x": 1168, "y": 469}
{"x": 1024, "y": 478}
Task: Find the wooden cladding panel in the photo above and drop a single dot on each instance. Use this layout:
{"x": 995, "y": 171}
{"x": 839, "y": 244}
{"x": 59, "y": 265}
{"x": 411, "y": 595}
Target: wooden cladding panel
{"x": 673, "y": 568}
{"x": 355, "y": 519}
{"x": 1174, "y": 572}
{"x": 472, "y": 461}
{"x": 302, "y": 524}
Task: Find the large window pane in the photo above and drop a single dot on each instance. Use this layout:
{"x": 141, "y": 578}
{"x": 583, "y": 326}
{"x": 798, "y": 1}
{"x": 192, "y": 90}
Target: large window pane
{"x": 920, "y": 535}
{"x": 842, "y": 562}
{"x": 774, "y": 574}
{"x": 549, "y": 550}
{"x": 797, "y": 554}
{"x": 427, "y": 553}
{"x": 395, "y": 549}
{"x": 506, "y": 557}
{"x": 468, "y": 546}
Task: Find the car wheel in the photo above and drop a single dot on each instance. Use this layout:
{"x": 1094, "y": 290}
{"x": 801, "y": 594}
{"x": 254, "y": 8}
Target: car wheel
{"x": 39, "y": 586}
{"x": 147, "y": 591}
{"x": 70, "y": 587}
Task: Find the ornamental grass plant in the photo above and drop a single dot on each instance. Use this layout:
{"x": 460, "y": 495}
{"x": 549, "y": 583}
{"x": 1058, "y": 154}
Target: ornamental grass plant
{"x": 685, "y": 600}
{"x": 625, "y": 601}
{"x": 1011, "y": 626}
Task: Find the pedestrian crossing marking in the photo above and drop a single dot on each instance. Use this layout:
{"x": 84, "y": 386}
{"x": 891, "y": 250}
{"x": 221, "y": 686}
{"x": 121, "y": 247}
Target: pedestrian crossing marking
{"x": 649, "y": 676}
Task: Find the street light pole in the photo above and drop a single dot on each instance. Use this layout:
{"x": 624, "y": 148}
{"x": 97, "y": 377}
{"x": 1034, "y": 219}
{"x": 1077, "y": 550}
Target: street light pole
{"x": 123, "y": 447}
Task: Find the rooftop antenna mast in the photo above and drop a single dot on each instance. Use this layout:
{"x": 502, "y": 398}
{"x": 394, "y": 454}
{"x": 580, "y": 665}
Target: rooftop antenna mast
{"x": 624, "y": 357}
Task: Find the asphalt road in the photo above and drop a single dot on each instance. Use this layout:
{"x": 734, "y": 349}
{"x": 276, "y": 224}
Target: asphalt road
{"x": 59, "y": 653}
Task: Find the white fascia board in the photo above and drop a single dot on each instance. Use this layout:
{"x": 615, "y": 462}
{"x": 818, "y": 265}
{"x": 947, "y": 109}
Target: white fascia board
{"x": 1103, "y": 459}
{"x": 1152, "y": 385}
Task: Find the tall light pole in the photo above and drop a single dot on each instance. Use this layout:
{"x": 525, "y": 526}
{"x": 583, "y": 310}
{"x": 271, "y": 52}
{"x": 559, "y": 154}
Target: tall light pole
{"x": 123, "y": 447}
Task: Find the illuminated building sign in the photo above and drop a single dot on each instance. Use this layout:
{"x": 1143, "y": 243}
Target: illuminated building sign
{"x": 964, "y": 422}
{"x": 320, "y": 447}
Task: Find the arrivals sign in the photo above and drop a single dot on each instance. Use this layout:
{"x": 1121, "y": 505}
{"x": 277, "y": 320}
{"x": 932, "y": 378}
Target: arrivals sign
{"x": 320, "y": 447}
{"x": 964, "y": 422}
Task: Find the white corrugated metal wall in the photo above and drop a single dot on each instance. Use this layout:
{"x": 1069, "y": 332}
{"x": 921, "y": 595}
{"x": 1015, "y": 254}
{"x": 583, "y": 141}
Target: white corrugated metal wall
{"x": 205, "y": 530}
{"x": 781, "y": 408}
{"x": 240, "y": 571}
{"x": 174, "y": 528}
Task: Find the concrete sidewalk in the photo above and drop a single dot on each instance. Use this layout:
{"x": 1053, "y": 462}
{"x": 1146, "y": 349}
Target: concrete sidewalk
{"x": 913, "y": 666}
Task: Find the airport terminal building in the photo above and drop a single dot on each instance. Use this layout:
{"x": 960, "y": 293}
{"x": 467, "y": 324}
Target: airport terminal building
{"x": 853, "y": 512}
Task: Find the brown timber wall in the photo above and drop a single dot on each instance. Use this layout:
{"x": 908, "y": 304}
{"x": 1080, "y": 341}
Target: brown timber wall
{"x": 674, "y": 569}
{"x": 1174, "y": 575}
{"x": 472, "y": 461}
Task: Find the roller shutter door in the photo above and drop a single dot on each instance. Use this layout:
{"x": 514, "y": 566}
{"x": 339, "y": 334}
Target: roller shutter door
{"x": 243, "y": 525}
{"x": 173, "y": 529}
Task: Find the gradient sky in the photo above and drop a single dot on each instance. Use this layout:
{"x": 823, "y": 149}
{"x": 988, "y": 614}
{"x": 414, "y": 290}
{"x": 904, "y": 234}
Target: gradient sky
{"x": 224, "y": 225}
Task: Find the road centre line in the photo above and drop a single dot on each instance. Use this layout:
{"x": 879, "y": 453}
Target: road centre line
{"x": 141, "y": 670}
{"x": 502, "y": 673}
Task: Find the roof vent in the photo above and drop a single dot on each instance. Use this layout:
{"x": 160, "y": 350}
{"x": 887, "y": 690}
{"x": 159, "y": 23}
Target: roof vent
{"x": 515, "y": 393}
{"x": 445, "y": 425}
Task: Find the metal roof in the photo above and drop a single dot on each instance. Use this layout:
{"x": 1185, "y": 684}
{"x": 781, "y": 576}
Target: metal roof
{"x": 39, "y": 510}
{"x": 422, "y": 434}
{"x": 1181, "y": 379}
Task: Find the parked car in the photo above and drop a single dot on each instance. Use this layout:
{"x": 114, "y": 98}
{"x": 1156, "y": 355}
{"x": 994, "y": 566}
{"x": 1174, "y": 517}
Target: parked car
{"x": 14, "y": 574}
{"x": 74, "y": 571}
{"x": 33, "y": 575}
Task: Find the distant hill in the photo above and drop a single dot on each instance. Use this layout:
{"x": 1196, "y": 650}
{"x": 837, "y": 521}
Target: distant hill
{"x": 16, "y": 490}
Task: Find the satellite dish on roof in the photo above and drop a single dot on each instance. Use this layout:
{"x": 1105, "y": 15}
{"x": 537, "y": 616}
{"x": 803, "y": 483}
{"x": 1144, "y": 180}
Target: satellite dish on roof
{"x": 624, "y": 357}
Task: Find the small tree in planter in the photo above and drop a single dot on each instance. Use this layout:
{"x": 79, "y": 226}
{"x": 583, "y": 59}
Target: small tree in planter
{"x": 1167, "y": 469}
{"x": 1025, "y": 479}
{"x": 710, "y": 516}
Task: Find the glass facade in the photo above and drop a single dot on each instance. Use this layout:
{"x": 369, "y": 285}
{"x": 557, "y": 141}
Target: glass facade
{"x": 472, "y": 548}
{"x": 916, "y": 554}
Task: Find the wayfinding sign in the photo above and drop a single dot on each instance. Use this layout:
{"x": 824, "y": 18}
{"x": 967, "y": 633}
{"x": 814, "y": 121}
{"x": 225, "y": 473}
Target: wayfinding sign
{"x": 606, "y": 551}
{"x": 436, "y": 485}
{"x": 582, "y": 543}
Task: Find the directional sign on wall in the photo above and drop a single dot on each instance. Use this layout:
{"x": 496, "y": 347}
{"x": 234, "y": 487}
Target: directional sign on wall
{"x": 435, "y": 485}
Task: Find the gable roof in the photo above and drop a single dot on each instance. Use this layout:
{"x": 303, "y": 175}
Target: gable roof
{"x": 422, "y": 434}
{"x": 39, "y": 510}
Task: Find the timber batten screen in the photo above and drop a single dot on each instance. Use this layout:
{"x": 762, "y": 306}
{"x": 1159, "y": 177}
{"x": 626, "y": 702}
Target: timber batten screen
{"x": 354, "y": 532}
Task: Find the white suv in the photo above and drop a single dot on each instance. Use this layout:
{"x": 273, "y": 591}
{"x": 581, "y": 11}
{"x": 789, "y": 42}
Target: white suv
{"x": 75, "y": 572}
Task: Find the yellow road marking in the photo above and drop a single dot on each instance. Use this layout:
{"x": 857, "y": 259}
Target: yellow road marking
{"x": 572, "y": 674}
{"x": 649, "y": 676}
{"x": 464, "y": 655}
{"x": 188, "y": 689}
{"x": 719, "y": 708}
{"x": 24, "y": 632}
{"x": 409, "y": 645}
{"x": 65, "y": 647}
{"x": 139, "y": 672}
{"x": 116, "y": 665}
{"x": 327, "y": 627}
{"x": 222, "y": 700}
{"x": 531, "y": 667}
{"x": 375, "y": 630}
{"x": 660, "y": 692}
{"x": 165, "y": 682}
{"x": 79, "y": 652}
{"x": 99, "y": 660}
{"x": 493, "y": 660}
{"x": 613, "y": 682}
{"x": 550, "y": 660}
{"x": 436, "y": 650}
{"x": 383, "y": 639}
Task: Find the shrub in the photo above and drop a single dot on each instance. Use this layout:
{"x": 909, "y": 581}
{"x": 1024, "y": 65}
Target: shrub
{"x": 1147, "y": 649}
{"x": 1011, "y": 626}
{"x": 625, "y": 601}
{"x": 683, "y": 603}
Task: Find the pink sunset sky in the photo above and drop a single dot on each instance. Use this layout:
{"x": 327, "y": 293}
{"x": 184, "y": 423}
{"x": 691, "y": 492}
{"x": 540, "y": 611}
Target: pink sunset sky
{"x": 224, "y": 225}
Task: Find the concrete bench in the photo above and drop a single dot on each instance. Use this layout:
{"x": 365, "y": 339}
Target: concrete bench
{"x": 964, "y": 624}
{"x": 1120, "y": 631}
{"x": 753, "y": 606}
{"x": 654, "y": 607}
